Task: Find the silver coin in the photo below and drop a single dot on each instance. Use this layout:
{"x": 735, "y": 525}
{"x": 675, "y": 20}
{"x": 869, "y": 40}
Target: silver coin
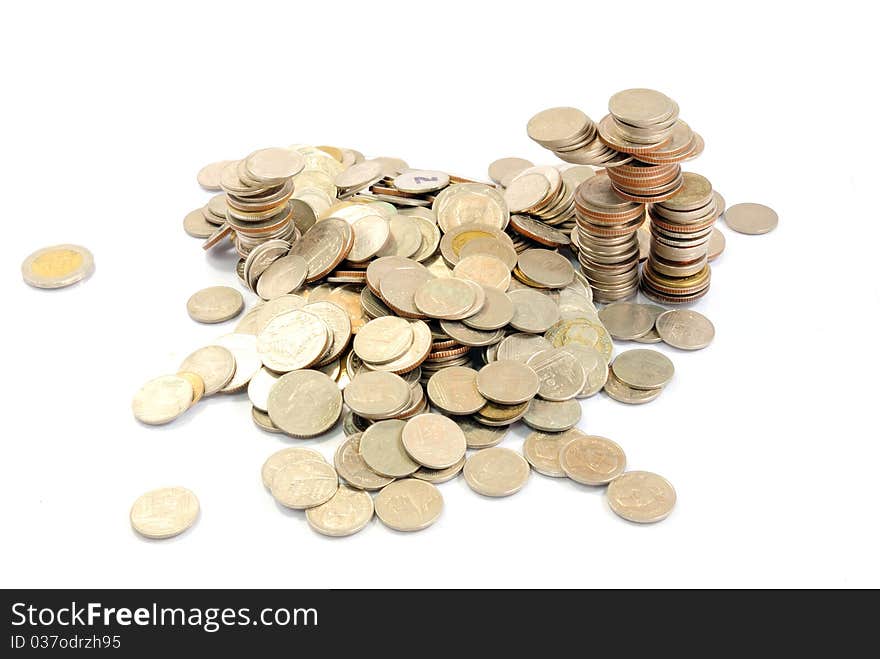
{"x": 409, "y": 505}
{"x": 215, "y": 304}
{"x": 454, "y": 390}
{"x": 751, "y": 219}
{"x": 338, "y": 322}
{"x": 353, "y": 469}
{"x": 283, "y": 276}
{"x": 263, "y": 422}
{"x": 594, "y": 365}
{"x": 57, "y": 266}
{"x": 496, "y": 312}
{"x": 541, "y": 449}
{"x": 347, "y": 512}
{"x": 421, "y": 181}
{"x": 214, "y": 364}
{"x": 479, "y": 436}
{"x": 551, "y": 416}
{"x": 247, "y": 362}
{"x": 507, "y": 382}
{"x": 519, "y": 347}
{"x": 651, "y": 336}
{"x": 162, "y": 400}
{"x": 547, "y": 268}
{"x": 592, "y": 460}
{"x": 280, "y": 459}
{"x": 437, "y": 476}
{"x": 641, "y": 497}
{"x": 259, "y": 387}
{"x": 164, "y": 513}
{"x": 626, "y": 320}
{"x": 293, "y": 340}
{"x": 534, "y": 312}
{"x": 383, "y": 339}
{"x": 304, "y": 484}
{"x": 496, "y": 472}
{"x": 434, "y": 441}
{"x": 685, "y": 329}
{"x": 383, "y": 451}
{"x": 623, "y": 393}
{"x": 195, "y": 224}
{"x": 560, "y": 373}
{"x": 377, "y": 394}
{"x": 643, "y": 369}
{"x": 305, "y": 403}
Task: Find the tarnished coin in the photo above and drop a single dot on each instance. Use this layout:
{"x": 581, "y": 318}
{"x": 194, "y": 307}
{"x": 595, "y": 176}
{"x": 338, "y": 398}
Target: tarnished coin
{"x": 383, "y": 339}
{"x": 195, "y": 224}
{"x": 485, "y": 270}
{"x": 371, "y": 234}
{"x": 214, "y": 364}
{"x": 346, "y": 513}
{"x": 421, "y": 181}
{"x": 533, "y": 312}
{"x": 519, "y": 347}
{"x": 560, "y": 373}
{"x": 454, "y": 390}
{"x": 352, "y": 467}
{"x": 377, "y": 395}
{"x": 434, "y": 441}
{"x": 383, "y": 451}
{"x": 280, "y": 459}
{"x": 304, "y": 484}
{"x": 507, "y": 382}
{"x": 409, "y": 505}
{"x": 552, "y": 416}
{"x": 162, "y": 400}
{"x": 274, "y": 164}
{"x": 496, "y": 472}
{"x": 437, "y": 476}
{"x": 496, "y": 312}
{"x": 546, "y": 268}
{"x": 626, "y": 320}
{"x": 283, "y": 276}
{"x": 594, "y": 365}
{"x": 444, "y": 298}
{"x": 305, "y": 403}
{"x": 260, "y": 386}
{"x": 209, "y": 175}
{"x": 164, "y": 513}
{"x": 215, "y": 304}
{"x": 685, "y": 329}
{"x": 643, "y": 369}
{"x": 623, "y": 393}
{"x": 751, "y": 219}
{"x": 592, "y": 460}
{"x": 717, "y": 243}
{"x": 293, "y": 340}
{"x": 641, "y": 497}
{"x": 57, "y": 266}
{"x": 247, "y": 362}
{"x": 478, "y": 435}
{"x": 541, "y": 449}
{"x": 503, "y": 170}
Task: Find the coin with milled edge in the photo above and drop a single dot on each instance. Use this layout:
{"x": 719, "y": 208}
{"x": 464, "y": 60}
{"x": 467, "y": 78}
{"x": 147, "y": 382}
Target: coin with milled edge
{"x": 305, "y": 403}
{"x": 541, "y": 449}
{"x": 519, "y": 347}
{"x": 347, "y": 512}
{"x": 552, "y": 416}
{"x": 507, "y": 382}
{"x": 352, "y": 467}
{"x": 641, "y": 497}
{"x": 626, "y": 320}
{"x": 214, "y": 364}
{"x": 215, "y": 304}
{"x": 560, "y": 373}
{"x": 263, "y": 422}
{"x": 685, "y": 329}
{"x": 496, "y": 472}
{"x": 162, "y": 400}
{"x": 304, "y": 484}
{"x": 434, "y": 441}
{"x": 409, "y": 505}
{"x": 444, "y": 298}
{"x": 164, "y": 513}
{"x": 643, "y": 369}
{"x": 283, "y": 276}
{"x": 383, "y": 451}
{"x": 280, "y": 459}
{"x": 751, "y": 219}
{"x": 623, "y": 393}
{"x": 338, "y": 323}
{"x": 57, "y": 266}
{"x": 592, "y": 460}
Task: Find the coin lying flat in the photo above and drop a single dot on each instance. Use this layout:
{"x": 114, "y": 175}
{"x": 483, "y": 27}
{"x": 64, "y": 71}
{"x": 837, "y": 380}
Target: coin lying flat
{"x": 485, "y": 270}
{"x": 377, "y": 394}
{"x": 626, "y": 320}
{"x": 651, "y": 335}
{"x": 383, "y": 339}
{"x": 507, "y": 382}
{"x": 454, "y": 390}
{"x": 164, "y": 513}
{"x": 371, "y": 234}
{"x": 496, "y": 312}
{"x": 214, "y": 364}
{"x": 274, "y": 164}
{"x": 685, "y": 329}
{"x": 195, "y": 224}
{"x": 305, "y": 403}
{"x": 751, "y": 219}
{"x": 546, "y": 268}
{"x": 215, "y": 304}
{"x": 479, "y": 436}
{"x": 444, "y": 298}
{"x": 560, "y": 373}
{"x": 552, "y": 416}
{"x": 304, "y": 484}
{"x": 409, "y": 505}
{"x": 293, "y": 340}
{"x": 347, "y": 512}
{"x": 643, "y": 369}
{"x": 57, "y": 266}
{"x": 533, "y": 312}
{"x": 541, "y": 449}
{"x": 437, "y": 476}
{"x": 496, "y": 472}
{"x": 592, "y": 460}
{"x": 434, "y": 441}
{"x": 353, "y": 469}
{"x": 641, "y": 497}
{"x": 280, "y": 459}
{"x": 162, "y": 400}
{"x": 623, "y": 393}
{"x": 283, "y": 276}
{"x": 383, "y": 451}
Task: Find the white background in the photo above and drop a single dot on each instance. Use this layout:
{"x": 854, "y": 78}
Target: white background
{"x": 769, "y": 435}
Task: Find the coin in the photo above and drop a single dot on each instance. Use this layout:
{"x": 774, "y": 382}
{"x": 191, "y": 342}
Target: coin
{"x": 490, "y": 246}
{"x": 592, "y": 460}
{"x": 247, "y": 362}
{"x": 383, "y": 339}
{"x": 519, "y": 347}
{"x": 398, "y": 289}
{"x": 594, "y": 365}
{"x": 533, "y": 312}
{"x": 496, "y": 312}
{"x": 57, "y": 266}
{"x": 485, "y": 270}
{"x": 434, "y": 441}
{"x": 560, "y": 374}
{"x": 371, "y": 234}
{"x": 643, "y": 369}
{"x": 751, "y": 219}
{"x": 162, "y": 400}
{"x": 359, "y": 175}
{"x": 585, "y": 331}
{"x": 383, "y": 451}
{"x": 504, "y": 169}
{"x": 304, "y": 484}
{"x": 557, "y": 125}
{"x": 414, "y": 356}
{"x": 437, "y": 476}
{"x": 623, "y": 393}
{"x": 409, "y": 505}
{"x": 377, "y": 395}
{"x": 324, "y": 246}
{"x": 353, "y": 469}
{"x": 338, "y": 323}
{"x": 209, "y": 175}
{"x": 444, "y": 298}
{"x": 283, "y": 276}
{"x": 507, "y": 382}
{"x": 259, "y": 387}
{"x": 293, "y": 340}
{"x": 195, "y": 224}
{"x": 626, "y": 321}
{"x": 454, "y": 390}
{"x": 552, "y": 416}
{"x": 215, "y": 304}
{"x": 470, "y": 203}
{"x": 496, "y": 415}
{"x": 496, "y": 472}
{"x": 305, "y": 403}
{"x": 274, "y": 164}
{"x": 214, "y": 364}
{"x": 526, "y": 192}
{"x": 164, "y": 513}
{"x": 405, "y": 237}
{"x": 548, "y": 269}
{"x": 346, "y": 513}
{"x": 420, "y": 181}
{"x": 280, "y": 459}
{"x": 641, "y": 497}
{"x": 717, "y": 243}
{"x": 685, "y": 329}
{"x": 263, "y": 422}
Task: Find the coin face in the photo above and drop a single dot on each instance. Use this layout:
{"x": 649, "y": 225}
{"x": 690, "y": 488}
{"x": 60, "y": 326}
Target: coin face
{"x": 209, "y": 175}
{"x": 592, "y": 460}
{"x": 548, "y": 269}
{"x": 685, "y": 329}
{"x": 263, "y": 422}
{"x": 164, "y": 513}
{"x": 434, "y": 441}
{"x": 519, "y": 347}
{"x": 195, "y": 224}
{"x": 347, "y": 512}
{"x": 377, "y": 395}
{"x": 503, "y": 170}
{"x": 284, "y": 457}
{"x": 496, "y": 472}
{"x": 485, "y": 270}
{"x": 717, "y": 243}
{"x": 594, "y": 365}
{"x": 421, "y": 181}
{"x": 305, "y": 403}
{"x": 454, "y": 390}
{"x": 526, "y": 192}
{"x": 274, "y": 164}
{"x": 437, "y": 476}
{"x": 324, "y": 245}
{"x": 623, "y": 393}
{"x": 383, "y": 451}
{"x": 371, "y": 234}
{"x": 444, "y": 298}
{"x": 405, "y": 237}
{"x": 215, "y": 304}
{"x": 478, "y": 435}
{"x": 247, "y": 362}
{"x": 259, "y": 387}
{"x": 643, "y": 369}
{"x": 383, "y": 339}
{"x": 353, "y": 468}
{"x": 560, "y": 373}
{"x": 283, "y": 276}
{"x": 162, "y": 400}
{"x": 533, "y": 312}
{"x": 215, "y": 365}
{"x": 541, "y": 449}
{"x": 751, "y": 219}
{"x": 626, "y": 320}
{"x": 293, "y": 340}
{"x": 409, "y": 505}
{"x": 557, "y": 125}
{"x": 470, "y": 203}
{"x": 496, "y": 312}
{"x": 57, "y": 266}
{"x": 490, "y": 246}
{"x": 338, "y": 323}
{"x": 552, "y": 416}
{"x": 304, "y": 484}
{"x": 641, "y": 497}
{"x": 585, "y": 331}
{"x": 507, "y": 382}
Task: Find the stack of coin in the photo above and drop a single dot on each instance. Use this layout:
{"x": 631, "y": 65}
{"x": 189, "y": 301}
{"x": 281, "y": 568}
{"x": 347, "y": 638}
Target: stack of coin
{"x": 411, "y": 187}
{"x": 573, "y": 137}
{"x": 608, "y": 245}
{"x": 640, "y": 121}
{"x": 646, "y": 183}
{"x": 543, "y": 194}
{"x": 677, "y": 269}
{"x": 638, "y": 376}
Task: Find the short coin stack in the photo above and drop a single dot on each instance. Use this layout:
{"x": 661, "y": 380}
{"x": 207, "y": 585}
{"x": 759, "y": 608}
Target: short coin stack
{"x": 573, "y": 137}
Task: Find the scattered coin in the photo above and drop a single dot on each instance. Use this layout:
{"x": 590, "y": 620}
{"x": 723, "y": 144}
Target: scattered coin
{"x": 216, "y": 304}
{"x": 353, "y": 469}
{"x": 57, "y": 266}
{"x": 162, "y": 400}
{"x": 533, "y": 312}
{"x": 626, "y": 321}
{"x": 247, "y": 362}
{"x": 260, "y": 386}
{"x": 274, "y": 164}
{"x": 717, "y": 243}
{"x": 164, "y": 513}
{"x": 263, "y": 422}
{"x": 209, "y": 175}
{"x": 560, "y": 373}
{"x": 551, "y": 416}
{"x": 377, "y": 394}
{"x": 383, "y": 339}
{"x": 293, "y": 340}
{"x": 283, "y": 276}
{"x": 592, "y": 460}
{"x": 503, "y": 170}
{"x": 454, "y": 390}
{"x": 305, "y": 403}
{"x": 594, "y": 365}
{"x": 541, "y": 449}
{"x": 643, "y": 369}
{"x": 280, "y": 459}
{"x": 485, "y": 270}
{"x": 548, "y": 269}
{"x": 215, "y": 365}
{"x": 641, "y": 497}
{"x": 685, "y": 329}
{"x": 304, "y": 484}
{"x": 507, "y": 382}
{"x": 623, "y": 393}
{"x": 195, "y": 224}
{"x": 347, "y": 512}
{"x": 496, "y": 472}
{"x": 751, "y": 219}
{"x": 383, "y": 451}
{"x": 409, "y": 505}
{"x": 479, "y": 436}
{"x": 434, "y": 441}
{"x": 437, "y": 476}
{"x": 444, "y": 298}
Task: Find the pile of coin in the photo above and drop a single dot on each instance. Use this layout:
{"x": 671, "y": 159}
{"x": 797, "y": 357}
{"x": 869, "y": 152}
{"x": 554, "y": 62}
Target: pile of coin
{"x": 544, "y": 194}
{"x": 573, "y": 137}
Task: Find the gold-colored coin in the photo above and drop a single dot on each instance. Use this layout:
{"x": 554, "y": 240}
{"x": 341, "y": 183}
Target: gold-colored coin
{"x": 58, "y": 266}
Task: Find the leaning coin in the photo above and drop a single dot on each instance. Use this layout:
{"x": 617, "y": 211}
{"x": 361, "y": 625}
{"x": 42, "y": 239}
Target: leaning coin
{"x": 592, "y": 460}
{"x": 259, "y": 387}
{"x": 409, "y": 505}
{"x": 57, "y": 266}
{"x": 434, "y": 441}
{"x": 507, "y": 382}
{"x": 263, "y": 422}
{"x": 353, "y": 469}
{"x": 164, "y": 513}
{"x": 275, "y": 462}
{"x": 304, "y": 484}
{"x": 626, "y": 320}
{"x": 247, "y": 362}
{"x": 685, "y": 329}
{"x": 383, "y": 339}
{"x": 496, "y": 472}
{"x": 641, "y": 497}
{"x": 479, "y": 436}
{"x": 214, "y": 364}
{"x": 383, "y": 451}
{"x": 293, "y": 340}
{"x": 346, "y": 513}
{"x": 286, "y": 408}
{"x": 541, "y": 449}
{"x": 561, "y": 375}
{"x": 209, "y": 175}
{"x": 594, "y": 365}
{"x": 215, "y": 304}
{"x": 533, "y": 312}
{"x": 651, "y": 336}
{"x": 623, "y": 393}
{"x": 496, "y": 312}
{"x": 550, "y": 416}
{"x": 283, "y": 276}
{"x": 546, "y": 268}
{"x": 195, "y": 224}
{"x": 643, "y": 369}
{"x": 198, "y": 385}
{"x": 162, "y": 400}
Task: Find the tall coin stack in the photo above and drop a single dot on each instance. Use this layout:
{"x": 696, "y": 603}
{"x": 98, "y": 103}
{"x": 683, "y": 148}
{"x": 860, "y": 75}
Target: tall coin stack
{"x": 677, "y": 269}
{"x": 258, "y": 190}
